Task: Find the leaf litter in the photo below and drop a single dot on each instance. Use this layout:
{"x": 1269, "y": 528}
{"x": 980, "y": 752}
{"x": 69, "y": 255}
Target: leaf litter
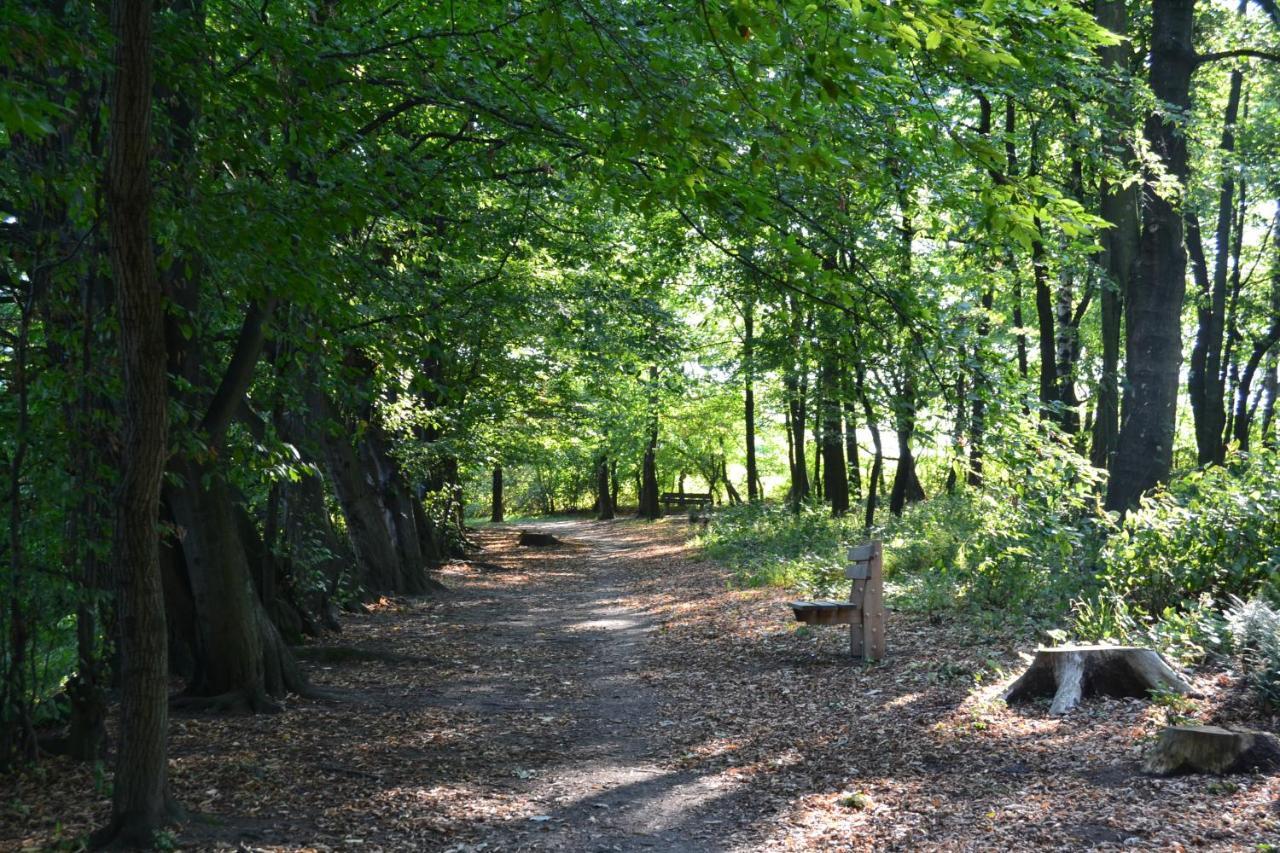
{"x": 622, "y": 695}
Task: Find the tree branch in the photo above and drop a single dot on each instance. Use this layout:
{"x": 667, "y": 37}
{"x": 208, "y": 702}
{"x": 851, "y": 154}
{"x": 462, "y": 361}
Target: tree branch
{"x": 1240, "y": 52}
{"x": 235, "y": 382}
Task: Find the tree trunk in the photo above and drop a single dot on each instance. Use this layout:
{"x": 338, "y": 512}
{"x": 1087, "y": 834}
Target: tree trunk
{"x": 1270, "y": 390}
{"x": 1069, "y": 673}
{"x": 397, "y": 502}
{"x": 854, "y": 476}
{"x": 1205, "y": 382}
{"x": 496, "y": 514}
{"x": 613, "y": 484}
{"x": 906, "y": 482}
{"x": 1153, "y": 310}
{"x": 1261, "y": 346}
{"x": 836, "y": 485}
{"x": 605, "y": 508}
{"x": 649, "y": 466}
{"x": 375, "y": 552}
{"x": 140, "y": 800}
{"x": 1044, "y": 317}
{"x": 749, "y": 398}
{"x": 1212, "y": 749}
{"x": 818, "y": 444}
{"x": 877, "y": 462}
{"x": 241, "y": 659}
{"x": 800, "y": 467}
{"x": 1119, "y": 207}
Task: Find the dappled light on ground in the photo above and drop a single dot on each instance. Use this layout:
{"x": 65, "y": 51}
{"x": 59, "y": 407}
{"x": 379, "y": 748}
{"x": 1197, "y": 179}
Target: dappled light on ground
{"x": 617, "y": 694}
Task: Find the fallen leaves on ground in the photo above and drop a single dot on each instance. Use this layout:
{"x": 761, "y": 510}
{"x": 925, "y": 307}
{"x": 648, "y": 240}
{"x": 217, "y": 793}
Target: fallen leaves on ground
{"x": 617, "y": 691}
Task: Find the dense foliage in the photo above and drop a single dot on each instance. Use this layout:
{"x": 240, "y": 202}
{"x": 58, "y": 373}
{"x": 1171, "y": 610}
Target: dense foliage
{"x": 289, "y": 292}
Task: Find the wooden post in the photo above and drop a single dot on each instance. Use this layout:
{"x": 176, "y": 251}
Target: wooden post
{"x": 866, "y": 570}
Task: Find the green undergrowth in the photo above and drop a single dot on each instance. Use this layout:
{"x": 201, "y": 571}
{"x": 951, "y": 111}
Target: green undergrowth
{"x": 1036, "y": 549}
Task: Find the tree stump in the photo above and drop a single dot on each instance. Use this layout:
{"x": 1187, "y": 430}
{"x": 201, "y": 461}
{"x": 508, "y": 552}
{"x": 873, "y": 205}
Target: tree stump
{"x": 1211, "y": 749}
{"x": 1072, "y": 672}
{"x": 532, "y": 538}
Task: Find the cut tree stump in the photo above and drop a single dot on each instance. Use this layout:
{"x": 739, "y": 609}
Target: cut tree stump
{"x": 532, "y": 538}
{"x": 1073, "y": 672}
{"x": 1211, "y": 749}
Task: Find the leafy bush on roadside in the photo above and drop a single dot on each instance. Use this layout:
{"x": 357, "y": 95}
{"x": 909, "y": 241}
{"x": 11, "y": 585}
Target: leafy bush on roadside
{"x": 1035, "y": 542}
{"x": 1215, "y": 531}
{"x": 1254, "y": 628}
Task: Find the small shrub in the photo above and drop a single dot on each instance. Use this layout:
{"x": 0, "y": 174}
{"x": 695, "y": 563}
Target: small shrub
{"x": 1215, "y": 531}
{"x": 1254, "y": 628}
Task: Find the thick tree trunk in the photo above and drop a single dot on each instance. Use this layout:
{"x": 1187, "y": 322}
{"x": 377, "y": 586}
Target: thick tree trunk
{"x": 1212, "y": 749}
{"x": 496, "y": 493}
{"x": 1070, "y": 673}
{"x": 851, "y": 447}
{"x": 836, "y": 485}
{"x": 877, "y": 462}
{"x": 605, "y": 508}
{"x": 749, "y": 398}
{"x": 140, "y": 798}
{"x": 906, "y": 481}
{"x": 1153, "y": 310}
{"x": 241, "y": 659}
{"x": 397, "y": 502}
{"x": 375, "y": 552}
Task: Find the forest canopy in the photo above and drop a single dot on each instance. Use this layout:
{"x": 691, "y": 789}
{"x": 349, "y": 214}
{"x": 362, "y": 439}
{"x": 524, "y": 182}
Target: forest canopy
{"x": 292, "y": 293}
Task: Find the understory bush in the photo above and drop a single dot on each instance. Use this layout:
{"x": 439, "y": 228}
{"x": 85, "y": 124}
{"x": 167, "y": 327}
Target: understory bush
{"x": 1034, "y": 542}
{"x": 1254, "y": 629}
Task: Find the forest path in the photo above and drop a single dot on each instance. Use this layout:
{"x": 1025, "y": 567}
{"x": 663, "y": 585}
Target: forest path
{"x": 602, "y": 778}
{"x": 616, "y": 693}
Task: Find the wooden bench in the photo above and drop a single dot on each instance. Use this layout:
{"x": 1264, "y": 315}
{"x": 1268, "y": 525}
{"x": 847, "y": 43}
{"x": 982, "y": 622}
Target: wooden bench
{"x": 863, "y": 612}
{"x": 684, "y": 499}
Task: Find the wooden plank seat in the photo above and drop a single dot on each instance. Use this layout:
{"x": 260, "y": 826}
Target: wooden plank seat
{"x": 863, "y": 612}
{"x": 825, "y": 612}
{"x": 684, "y": 499}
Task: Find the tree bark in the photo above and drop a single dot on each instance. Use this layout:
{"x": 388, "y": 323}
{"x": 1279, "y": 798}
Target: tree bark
{"x": 851, "y": 446}
{"x": 140, "y": 800}
{"x": 496, "y": 513}
{"x": 1153, "y": 311}
{"x": 1119, "y": 207}
{"x": 749, "y": 397}
{"x": 375, "y": 552}
{"x": 605, "y": 508}
{"x": 1205, "y": 382}
{"x": 1261, "y": 346}
{"x": 877, "y": 462}
{"x": 836, "y": 485}
{"x": 649, "y": 508}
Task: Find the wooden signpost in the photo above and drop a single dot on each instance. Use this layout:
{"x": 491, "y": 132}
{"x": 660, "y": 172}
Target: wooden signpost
{"x": 864, "y": 611}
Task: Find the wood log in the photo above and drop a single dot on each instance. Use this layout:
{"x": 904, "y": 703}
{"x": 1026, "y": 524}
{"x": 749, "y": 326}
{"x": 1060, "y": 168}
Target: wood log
{"x": 1212, "y": 749}
{"x": 534, "y": 539}
{"x": 1072, "y": 672}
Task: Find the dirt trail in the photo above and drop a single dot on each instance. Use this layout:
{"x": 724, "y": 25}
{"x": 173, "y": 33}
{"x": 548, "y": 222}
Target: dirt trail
{"x": 615, "y": 694}
{"x": 602, "y": 785}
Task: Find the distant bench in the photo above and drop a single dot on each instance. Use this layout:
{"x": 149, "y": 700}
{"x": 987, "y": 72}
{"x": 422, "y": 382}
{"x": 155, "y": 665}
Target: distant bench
{"x": 684, "y": 499}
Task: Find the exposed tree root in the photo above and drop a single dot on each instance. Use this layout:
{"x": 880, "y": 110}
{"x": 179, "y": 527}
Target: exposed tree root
{"x": 347, "y": 654}
{"x": 137, "y": 830}
{"x": 235, "y": 702}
